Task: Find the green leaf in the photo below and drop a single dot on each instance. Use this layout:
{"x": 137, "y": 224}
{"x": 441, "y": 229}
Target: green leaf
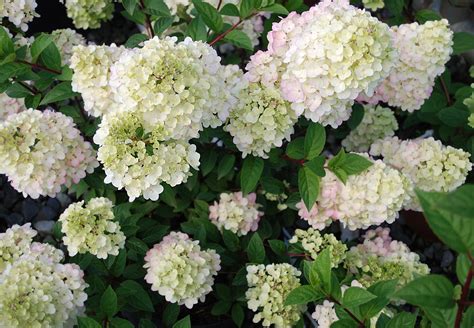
{"x": 247, "y": 7}
{"x": 356, "y": 116}
{"x": 255, "y": 249}
{"x": 162, "y": 24}
{"x": 276, "y": 8}
{"x": 295, "y": 149}
{"x": 344, "y": 323}
{"x": 229, "y": 9}
{"x": 278, "y": 247}
{"x": 51, "y": 57}
{"x": 303, "y": 295}
{"x": 231, "y": 240}
{"x": 39, "y": 45}
{"x": 308, "y": 186}
{"x": 402, "y": 320}
{"x": 60, "y": 92}
{"x": 424, "y": 15}
{"x": 463, "y": 42}
{"x": 225, "y": 166}
{"x": 130, "y": 5}
{"x": 441, "y": 318}
{"x": 32, "y": 101}
{"x": 317, "y": 165}
{"x": 221, "y": 307}
{"x": 209, "y": 14}
{"x": 7, "y": 47}
{"x": 468, "y": 318}
{"x": 463, "y": 264}
{"x": 314, "y": 140}
{"x": 183, "y": 323}
{"x": 354, "y": 164}
{"x": 239, "y": 39}
{"x": 170, "y": 314}
{"x": 120, "y": 323}
{"x": 238, "y": 315}
{"x": 197, "y": 29}
{"x": 108, "y": 302}
{"x": 250, "y": 174}
{"x": 85, "y": 322}
{"x": 454, "y": 226}
{"x": 135, "y": 40}
{"x": 355, "y": 296}
{"x": 223, "y": 292}
{"x": 136, "y": 295}
{"x": 146, "y": 323}
{"x": 157, "y": 8}
{"x": 395, "y": 6}
{"x": 453, "y": 116}
{"x": 322, "y": 267}
{"x": 428, "y": 291}
{"x": 119, "y": 264}
{"x": 17, "y": 90}
{"x": 384, "y": 288}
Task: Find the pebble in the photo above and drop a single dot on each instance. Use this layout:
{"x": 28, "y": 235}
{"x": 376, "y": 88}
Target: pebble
{"x": 44, "y": 226}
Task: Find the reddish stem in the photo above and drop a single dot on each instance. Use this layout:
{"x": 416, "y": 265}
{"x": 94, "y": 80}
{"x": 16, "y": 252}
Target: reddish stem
{"x": 464, "y": 295}
{"x": 445, "y": 90}
{"x": 233, "y": 27}
{"x": 40, "y": 67}
{"x": 288, "y": 158}
{"x": 148, "y": 26}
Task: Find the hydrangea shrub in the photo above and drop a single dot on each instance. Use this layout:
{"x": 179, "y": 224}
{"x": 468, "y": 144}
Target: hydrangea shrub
{"x": 239, "y": 163}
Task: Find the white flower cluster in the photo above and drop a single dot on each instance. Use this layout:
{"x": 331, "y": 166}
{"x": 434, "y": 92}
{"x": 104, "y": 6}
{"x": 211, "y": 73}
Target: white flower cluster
{"x": 140, "y": 164}
{"x": 268, "y": 288}
{"x": 36, "y": 290}
{"x": 92, "y": 228}
{"x": 9, "y": 106}
{"x": 373, "y": 4}
{"x": 91, "y": 66}
{"x": 322, "y": 59}
{"x": 469, "y": 102}
{"x": 155, "y": 99}
{"x": 314, "y": 243}
{"x": 41, "y": 151}
{"x": 369, "y": 198}
{"x": 89, "y": 13}
{"x": 236, "y": 212}
{"x": 380, "y": 258}
{"x": 427, "y": 163}
{"x": 378, "y": 122}
{"x": 180, "y": 271}
{"x": 423, "y": 52}
{"x": 325, "y": 314}
{"x": 65, "y": 40}
{"x": 262, "y": 119}
{"x": 18, "y": 12}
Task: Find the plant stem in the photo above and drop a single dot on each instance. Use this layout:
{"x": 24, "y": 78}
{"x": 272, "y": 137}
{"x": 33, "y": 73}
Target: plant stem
{"x": 445, "y": 90}
{"x": 352, "y": 315}
{"x": 148, "y": 26}
{"x": 233, "y": 27}
{"x": 32, "y": 89}
{"x": 464, "y": 295}
{"x": 40, "y": 67}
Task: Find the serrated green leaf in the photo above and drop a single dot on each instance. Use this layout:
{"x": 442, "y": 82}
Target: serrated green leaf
{"x": 276, "y": 8}
{"x": 239, "y": 39}
{"x": 229, "y": 9}
{"x": 295, "y": 149}
{"x": 255, "y": 249}
{"x": 308, "y": 186}
{"x": 226, "y": 164}
{"x": 60, "y": 92}
{"x": 303, "y": 295}
{"x": 135, "y": 40}
{"x": 428, "y": 291}
{"x": 314, "y": 140}
{"x": 162, "y": 24}
{"x": 183, "y": 323}
{"x": 39, "y": 45}
{"x": 108, "y": 302}
{"x": 209, "y": 14}
{"x": 85, "y": 322}
{"x": 355, "y": 296}
{"x": 462, "y": 42}
{"x": 250, "y": 174}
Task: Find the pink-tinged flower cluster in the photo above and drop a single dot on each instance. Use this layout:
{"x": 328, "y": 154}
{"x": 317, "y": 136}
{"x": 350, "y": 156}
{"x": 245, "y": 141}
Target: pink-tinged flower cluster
{"x": 9, "y": 106}
{"x": 236, "y": 213}
{"x": 180, "y": 271}
{"x": 369, "y": 198}
{"x": 380, "y": 258}
{"x": 41, "y": 151}
{"x": 423, "y": 52}
{"x": 427, "y": 163}
{"x": 36, "y": 290}
{"x": 322, "y": 59}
